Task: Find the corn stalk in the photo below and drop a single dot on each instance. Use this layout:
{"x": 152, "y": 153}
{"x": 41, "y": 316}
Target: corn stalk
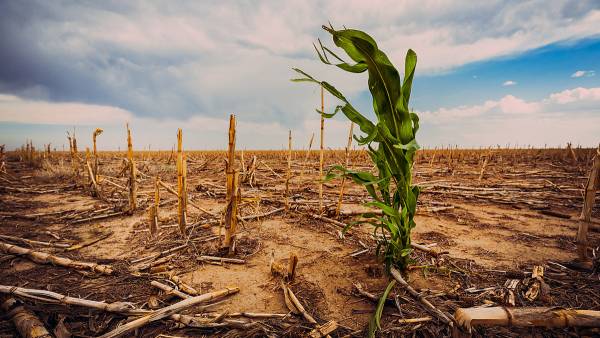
{"x": 97, "y": 132}
{"x": 132, "y": 173}
{"x": 390, "y": 142}
{"x": 181, "y": 184}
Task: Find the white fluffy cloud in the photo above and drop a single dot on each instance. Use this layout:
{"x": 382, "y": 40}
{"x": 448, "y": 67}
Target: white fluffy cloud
{"x": 582, "y": 73}
{"x": 572, "y": 115}
{"x": 15, "y": 109}
{"x": 576, "y": 95}
{"x": 509, "y": 83}
{"x": 582, "y": 100}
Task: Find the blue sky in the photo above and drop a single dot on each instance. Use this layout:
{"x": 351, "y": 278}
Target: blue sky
{"x": 493, "y": 72}
{"x": 536, "y": 72}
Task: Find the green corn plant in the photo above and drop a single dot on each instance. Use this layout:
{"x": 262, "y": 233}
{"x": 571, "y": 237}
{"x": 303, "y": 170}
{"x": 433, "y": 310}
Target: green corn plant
{"x": 390, "y": 142}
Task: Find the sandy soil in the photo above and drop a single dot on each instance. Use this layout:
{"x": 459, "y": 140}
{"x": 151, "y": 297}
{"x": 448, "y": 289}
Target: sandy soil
{"x": 505, "y": 231}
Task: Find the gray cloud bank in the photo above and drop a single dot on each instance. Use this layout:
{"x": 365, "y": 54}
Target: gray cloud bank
{"x": 179, "y": 60}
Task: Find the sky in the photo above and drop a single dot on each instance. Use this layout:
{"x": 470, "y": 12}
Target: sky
{"x": 488, "y": 73}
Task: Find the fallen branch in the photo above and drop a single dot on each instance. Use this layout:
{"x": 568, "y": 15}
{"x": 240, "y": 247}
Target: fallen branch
{"x": 168, "y": 311}
{"x": 90, "y": 242}
{"x": 323, "y": 330}
{"x": 221, "y": 259}
{"x": 414, "y": 320}
{"x": 160, "y": 254}
{"x": 438, "y": 313}
{"x": 555, "y": 214}
{"x": 366, "y": 294}
{"x": 181, "y": 285}
{"x": 328, "y": 220}
{"x": 95, "y": 218}
{"x": 258, "y": 315}
{"x": 427, "y": 249}
{"x": 56, "y": 298}
{"x": 525, "y": 317}
{"x": 26, "y": 322}
{"x": 204, "y": 323}
{"x": 32, "y": 242}
{"x": 273, "y": 171}
{"x": 148, "y": 265}
{"x": 296, "y": 303}
{"x": 250, "y": 217}
{"x": 46, "y": 258}
{"x": 170, "y": 290}
{"x": 172, "y": 191}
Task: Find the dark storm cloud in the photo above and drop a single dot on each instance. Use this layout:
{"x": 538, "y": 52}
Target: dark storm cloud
{"x": 42, "y": 58}
{"x": 178, "y": 59}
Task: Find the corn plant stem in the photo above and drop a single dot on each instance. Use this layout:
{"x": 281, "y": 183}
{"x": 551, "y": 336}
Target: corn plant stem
{"x": 157, "y": 195}
{"x": 586, "y": 213}
{"x": 347, "y": 159}
{"x": 302, "y": 172}
{"x": 289, "y": 171}
{"x": 231, "y": 213}
{"x": 181, "y": 207}
{"x": 132, "y": 173}
{"x": 321, "y": 153}
{"x": 93, "y": 180}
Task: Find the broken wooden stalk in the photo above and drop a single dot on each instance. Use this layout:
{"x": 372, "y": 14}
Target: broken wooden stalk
{"x": 292, "y": 264}
{"x": 132, "y": 173}
{"x": 91, "y": 176}
{"x": 231, "y": 213}
{"x": 181, "y": 185}
{"x": 442, "y": 316}
{"x": 152, "y": 219}
{"x": 467, "y": 318}
{"x": 307, "y": 154}
{"x": 168, "y": 311}
{"x": 26, "y": 322}
{"x": 289, "y": 172}
{"x": 232, "y": 189}
{"x": 153, "y": 212}
{"x": 481, "y": 173}
{"x": 250, "y": 176}
{"x": 297, "y": 305}
{"x": 230, "y": 165}
{"x": 593, "y": 184}
{"x": 571, "y": 153}
{"x": 97, "y": 132}
{"x": 73, "y": 153}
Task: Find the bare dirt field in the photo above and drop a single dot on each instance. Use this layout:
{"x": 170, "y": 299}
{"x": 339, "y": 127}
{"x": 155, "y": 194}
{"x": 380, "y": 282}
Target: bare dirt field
{"x": 483, "y": 227}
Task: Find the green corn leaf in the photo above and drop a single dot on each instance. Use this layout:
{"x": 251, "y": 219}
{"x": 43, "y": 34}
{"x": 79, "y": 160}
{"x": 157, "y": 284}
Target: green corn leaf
{"x": 385, "y": 208}
{"x": 384, "y": 80}
{"x": 375, "y": 322}
{"x": 410, "y": 64}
